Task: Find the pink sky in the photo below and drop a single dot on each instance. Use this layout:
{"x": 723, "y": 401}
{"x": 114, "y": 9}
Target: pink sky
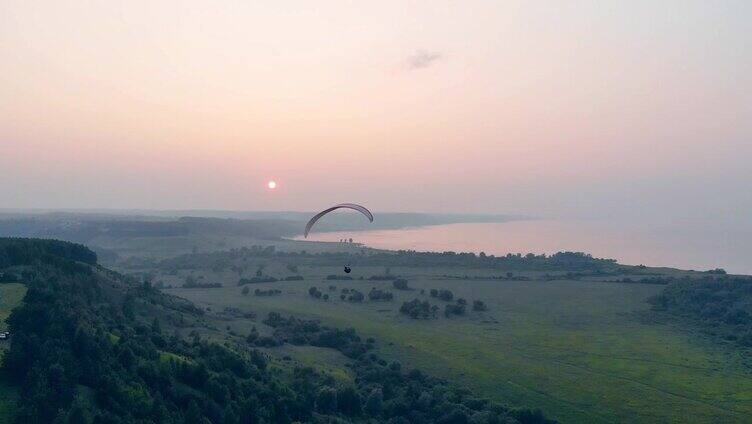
{"x": 591, "y": 108}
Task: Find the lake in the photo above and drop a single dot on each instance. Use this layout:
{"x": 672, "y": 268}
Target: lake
{"x": 698, "y": 245}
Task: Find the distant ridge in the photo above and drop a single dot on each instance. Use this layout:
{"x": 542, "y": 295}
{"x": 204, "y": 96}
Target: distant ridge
{"x": 80, "y": 225}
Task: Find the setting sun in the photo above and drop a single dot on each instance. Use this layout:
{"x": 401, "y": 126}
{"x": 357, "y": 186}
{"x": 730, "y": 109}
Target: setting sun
{"x": 272, "y": 185}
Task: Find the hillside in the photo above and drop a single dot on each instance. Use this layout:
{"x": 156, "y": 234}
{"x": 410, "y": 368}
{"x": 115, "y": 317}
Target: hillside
{"x": 90, "y": 345}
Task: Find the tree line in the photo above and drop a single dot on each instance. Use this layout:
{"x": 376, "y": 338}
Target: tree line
{"x": 720, "y": 303}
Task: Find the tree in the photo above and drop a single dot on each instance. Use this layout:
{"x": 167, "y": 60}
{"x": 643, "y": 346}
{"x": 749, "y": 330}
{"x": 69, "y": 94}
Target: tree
{"x": 456, "y": 309}
{"x": 400, "y": 284}
{"x": 326, "y": 400}
{"x": 193, "y": 415}
{"x": 479, "y": 305}
{"x": 375, "y": 402}
{"x": 129, "y": 307}
{"x": 245, "y": 291}
{"x": 155, "y": 327}
{"x": 253, "y": 335}
{"x": 348, "y": 400}
{"x": 446, "y": 295}
{"x": 79, "y": 411}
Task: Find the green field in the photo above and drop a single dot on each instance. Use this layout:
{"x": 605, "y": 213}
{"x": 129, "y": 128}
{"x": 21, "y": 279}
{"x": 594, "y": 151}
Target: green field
{"x": 11, "y": 296}
{"x": 581, "y": 351}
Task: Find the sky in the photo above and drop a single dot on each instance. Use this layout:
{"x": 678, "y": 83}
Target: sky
{"x": 580, "y": 108}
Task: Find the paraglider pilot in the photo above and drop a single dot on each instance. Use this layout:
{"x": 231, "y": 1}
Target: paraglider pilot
{"x": 352, "y": 206}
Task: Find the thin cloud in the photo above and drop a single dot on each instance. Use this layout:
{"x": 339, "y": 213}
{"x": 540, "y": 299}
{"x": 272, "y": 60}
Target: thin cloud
{"x": 422, "y": 59}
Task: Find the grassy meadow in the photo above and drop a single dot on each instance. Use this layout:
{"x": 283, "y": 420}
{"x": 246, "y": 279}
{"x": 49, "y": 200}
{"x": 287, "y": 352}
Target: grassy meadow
{"x": 583, "y": 351}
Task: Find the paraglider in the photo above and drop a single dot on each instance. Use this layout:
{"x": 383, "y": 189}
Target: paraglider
{"x": 352, "y": 206}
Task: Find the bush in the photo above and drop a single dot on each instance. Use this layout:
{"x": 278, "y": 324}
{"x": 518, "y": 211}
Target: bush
{"x": 416, "y": 309}
{"x": 479, "y": 305}
{"x": 8, "y": 277}
{"x": 314, "y": 292}
{"x": 383, "y": 295}
{"x": 270, "y": 292}
{"x": 356, "y": 296}
{"x": 381, "y": 278}
{"x": 446, "y": 295}
{"x": 192, "y": 284}
{"x": 294, "y": 278}
{"x": 400, "y": 284}
{"x": 455, "y": 309}
{"x": 256, "y": 280}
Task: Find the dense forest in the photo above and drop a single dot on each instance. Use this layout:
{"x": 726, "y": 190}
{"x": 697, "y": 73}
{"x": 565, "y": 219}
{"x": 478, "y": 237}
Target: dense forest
{"x": 83, "y": 228}
{"x": 719, "y": 302}
{"x": 90, "y": 346}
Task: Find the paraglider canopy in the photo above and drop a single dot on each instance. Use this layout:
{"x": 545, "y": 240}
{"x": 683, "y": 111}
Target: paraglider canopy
{"x": 352, "y": 206}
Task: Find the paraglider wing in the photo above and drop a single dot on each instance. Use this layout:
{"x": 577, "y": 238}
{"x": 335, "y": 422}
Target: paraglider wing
{"x": 352, "y": 206}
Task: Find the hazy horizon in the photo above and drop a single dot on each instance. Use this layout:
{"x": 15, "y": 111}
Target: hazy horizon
{"x": 588, "y": 109}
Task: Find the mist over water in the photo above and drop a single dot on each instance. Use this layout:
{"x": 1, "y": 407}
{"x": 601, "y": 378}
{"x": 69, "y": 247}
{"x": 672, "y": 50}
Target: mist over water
{"x": 698, "y": 245}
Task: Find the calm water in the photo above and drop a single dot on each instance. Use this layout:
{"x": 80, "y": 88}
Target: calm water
{"x": 687, "y": 245}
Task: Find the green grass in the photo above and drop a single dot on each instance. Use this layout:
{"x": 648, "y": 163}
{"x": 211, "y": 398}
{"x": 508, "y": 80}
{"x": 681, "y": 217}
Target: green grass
{"x": 323, "y": 360}
{"x": 11, "y": 296}
{"x": 578, "y": 350}
{"x": 165, "y": 356}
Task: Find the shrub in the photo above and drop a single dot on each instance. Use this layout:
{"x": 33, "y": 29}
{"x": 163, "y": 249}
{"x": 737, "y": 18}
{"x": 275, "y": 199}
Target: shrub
{"x": 455, "y": 309}
{"x": 314, "y": 292}
{"x": 416, "y": 309}
{"x": 270, "y": 292}
{"x": 446, "y": 295}
{"x": 256, "y": 280}
{"x": 383, "y": 295}
{"x": 294, "y": 278}
{"x": 400, "y": 284}
{"x": 338, "y": 277}
{"x": 356, "y": 296}
{"x": 479, "y": 305}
